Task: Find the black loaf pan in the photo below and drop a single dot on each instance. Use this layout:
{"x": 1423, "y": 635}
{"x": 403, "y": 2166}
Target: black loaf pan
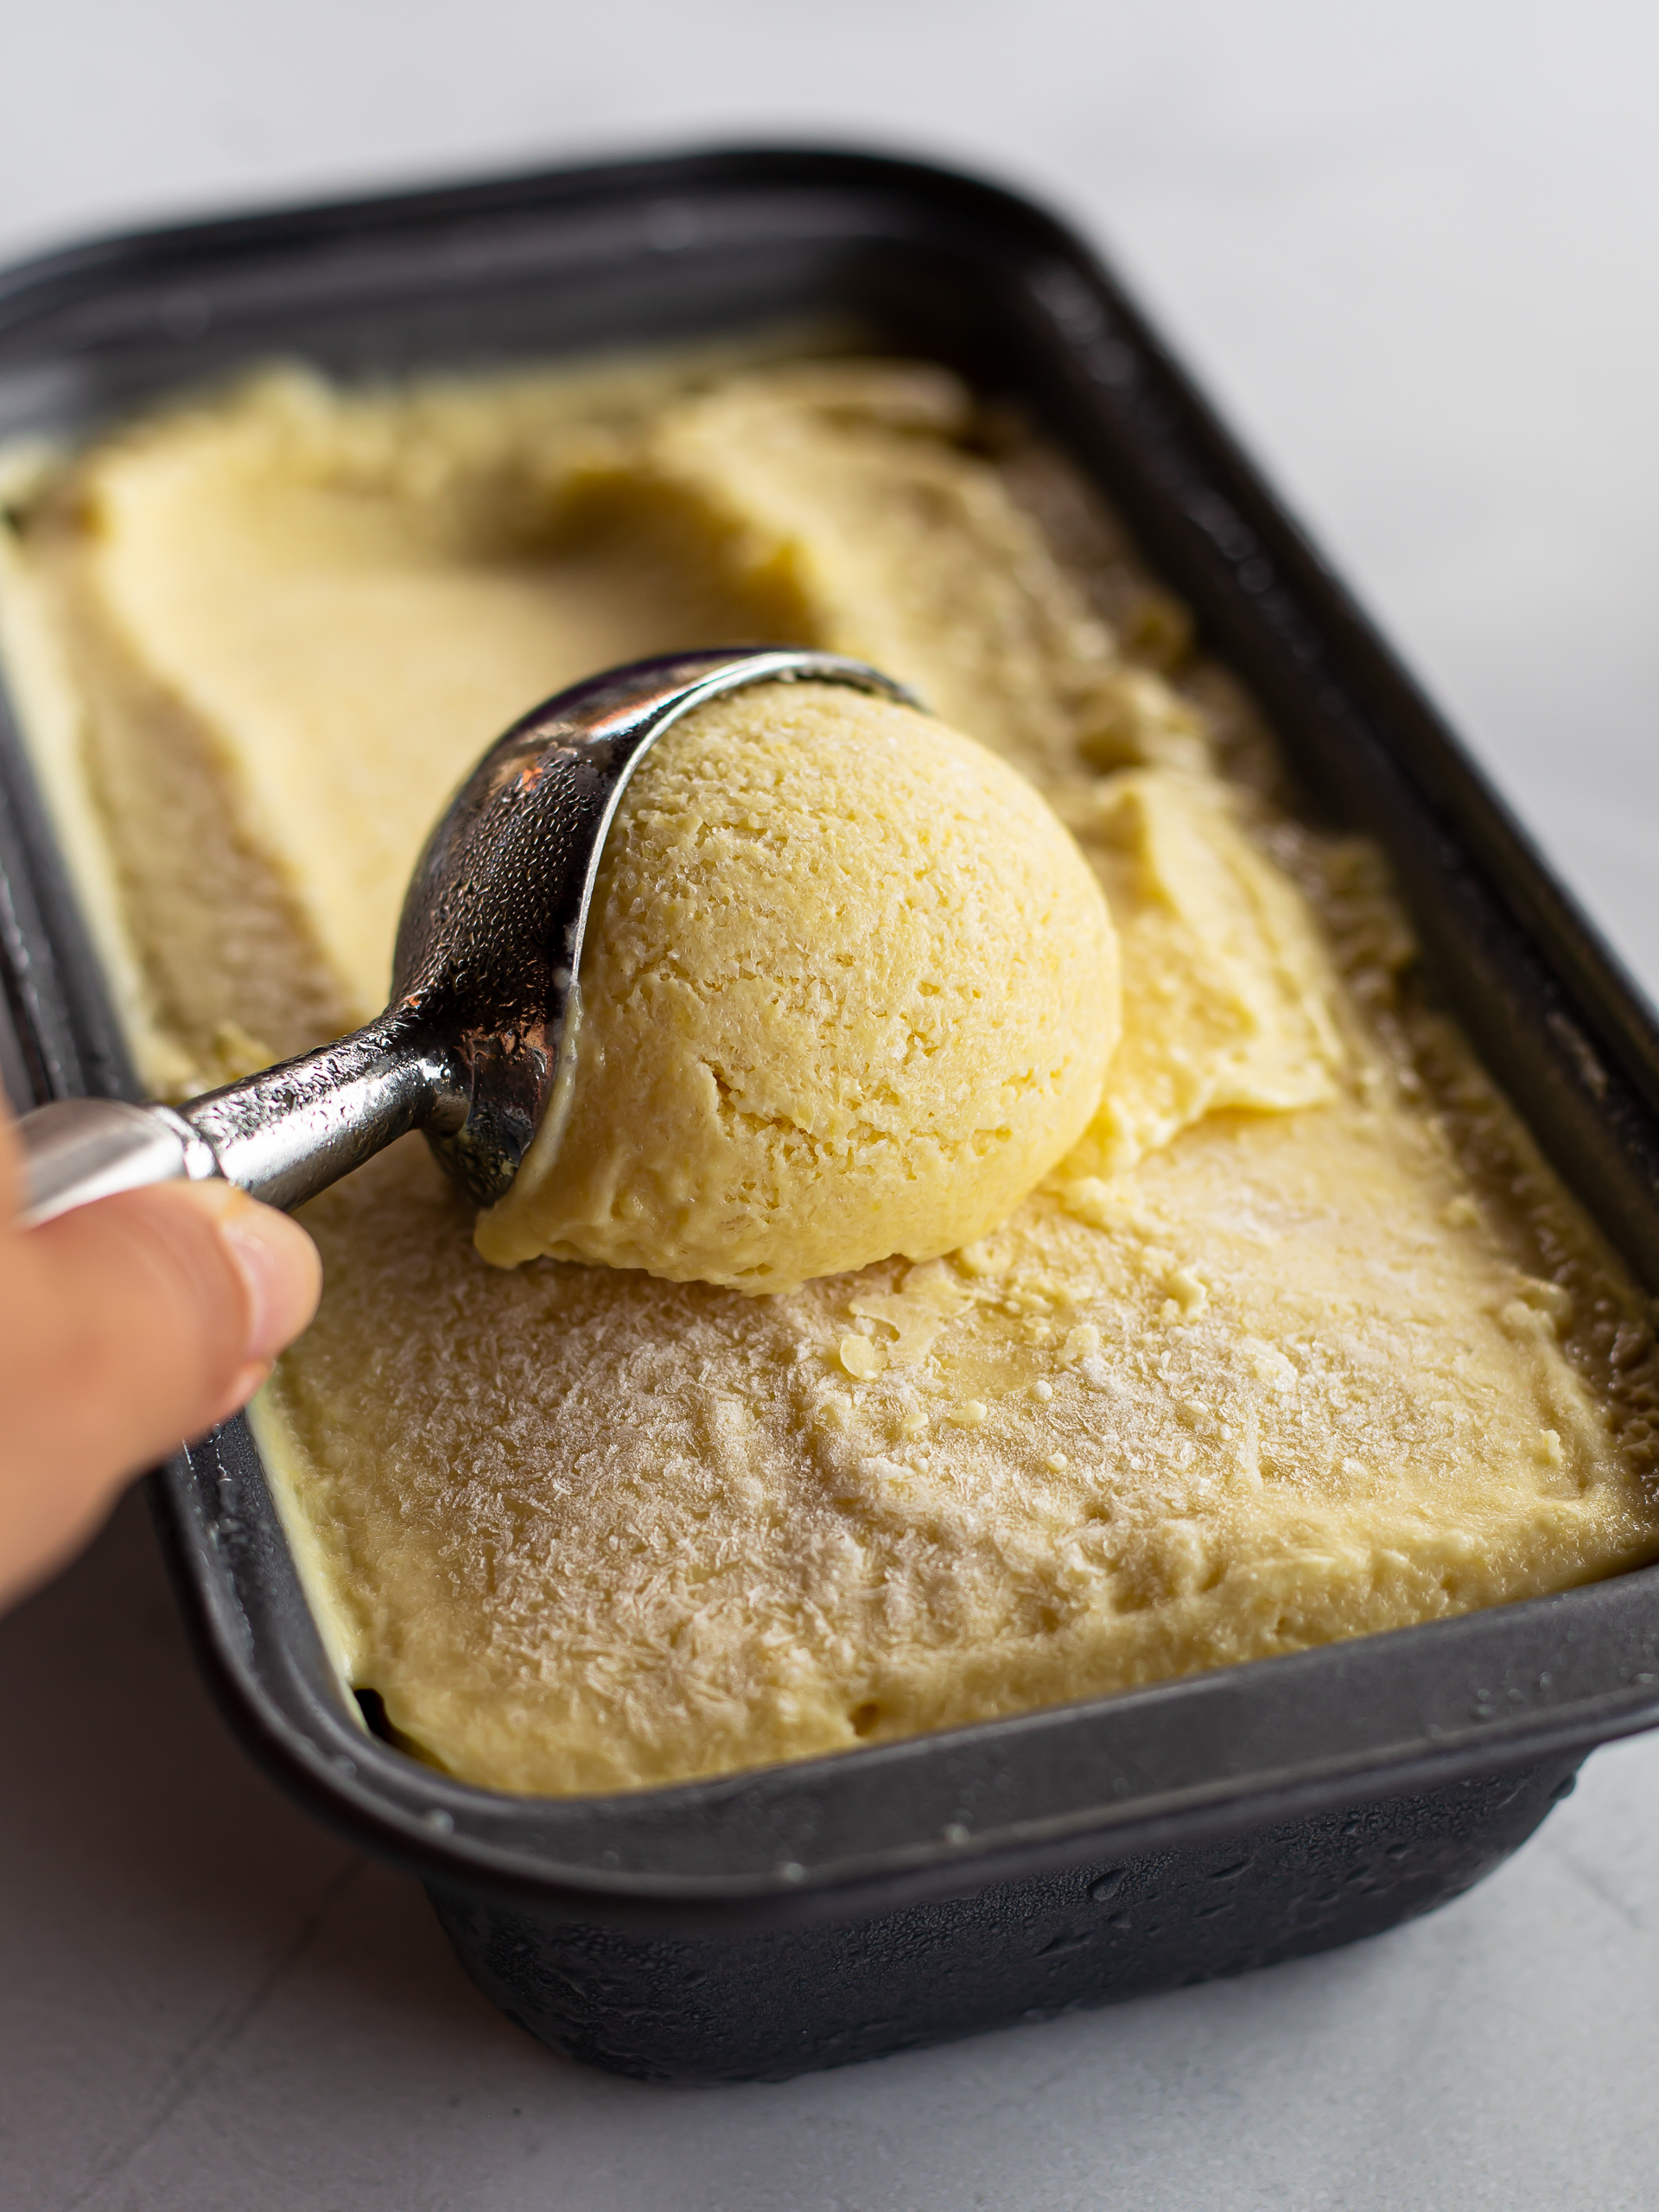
{"x": 806, "y": 1915}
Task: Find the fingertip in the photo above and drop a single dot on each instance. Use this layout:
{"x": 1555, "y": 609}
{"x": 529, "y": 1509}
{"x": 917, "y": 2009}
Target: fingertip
{"x": 125, "y": 1326}
{"x": 280, "y": 1267}
{"x": 190, "y": 1289}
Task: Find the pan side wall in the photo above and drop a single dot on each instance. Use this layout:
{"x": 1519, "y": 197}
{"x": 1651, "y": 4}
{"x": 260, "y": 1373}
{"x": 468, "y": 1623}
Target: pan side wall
{"x": 769, "y": 2005}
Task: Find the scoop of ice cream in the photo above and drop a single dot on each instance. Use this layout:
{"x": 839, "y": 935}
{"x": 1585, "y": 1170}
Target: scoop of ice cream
{"x": 849, "y": 990}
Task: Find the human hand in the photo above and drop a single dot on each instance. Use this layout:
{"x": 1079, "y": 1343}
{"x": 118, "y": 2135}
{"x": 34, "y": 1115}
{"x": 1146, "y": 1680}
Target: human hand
{"x": 125, "y": 1327}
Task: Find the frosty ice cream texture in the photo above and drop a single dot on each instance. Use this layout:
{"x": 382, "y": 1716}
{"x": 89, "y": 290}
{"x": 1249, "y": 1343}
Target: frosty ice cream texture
{"x": 850, "y": 992}
{"x": 1301, "y": 1340}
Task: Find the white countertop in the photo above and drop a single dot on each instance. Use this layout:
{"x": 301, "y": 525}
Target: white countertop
{"x": 1415, "y": 254}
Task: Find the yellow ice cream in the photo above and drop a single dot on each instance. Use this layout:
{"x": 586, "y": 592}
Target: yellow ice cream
{"x": 1300, "y": 1339}
{"x": 850, "y": 992}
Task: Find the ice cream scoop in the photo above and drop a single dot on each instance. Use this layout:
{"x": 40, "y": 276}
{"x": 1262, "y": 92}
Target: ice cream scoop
{"x": 475, "y": 1040}
{"x": 478, "y": 1040}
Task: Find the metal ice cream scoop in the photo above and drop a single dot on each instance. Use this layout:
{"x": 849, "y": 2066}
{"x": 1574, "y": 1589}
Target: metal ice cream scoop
{"x": 475, "y": 1047}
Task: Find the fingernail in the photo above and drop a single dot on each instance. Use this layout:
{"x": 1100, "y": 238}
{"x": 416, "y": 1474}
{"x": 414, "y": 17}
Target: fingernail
{"x": 278, "y": 1262}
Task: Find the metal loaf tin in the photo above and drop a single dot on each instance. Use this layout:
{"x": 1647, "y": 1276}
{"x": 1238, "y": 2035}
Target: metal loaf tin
{"x": 809, "y": 1914}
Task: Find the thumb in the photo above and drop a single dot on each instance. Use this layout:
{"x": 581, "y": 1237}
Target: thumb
{"x": 125, "y": 1327}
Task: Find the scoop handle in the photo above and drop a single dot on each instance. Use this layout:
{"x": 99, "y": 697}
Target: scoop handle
{"x": 282, "y": 1135}
{"x": 79, "y": 1149}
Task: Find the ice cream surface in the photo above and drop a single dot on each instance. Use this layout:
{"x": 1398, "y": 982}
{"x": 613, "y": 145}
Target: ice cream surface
{"x": 1300, "y": 1339}
{"x": 850, "y": 993}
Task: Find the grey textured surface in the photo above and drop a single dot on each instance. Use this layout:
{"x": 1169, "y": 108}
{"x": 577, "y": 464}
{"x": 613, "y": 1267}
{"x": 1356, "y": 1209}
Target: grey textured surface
{"x": 1414, "y": 254}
